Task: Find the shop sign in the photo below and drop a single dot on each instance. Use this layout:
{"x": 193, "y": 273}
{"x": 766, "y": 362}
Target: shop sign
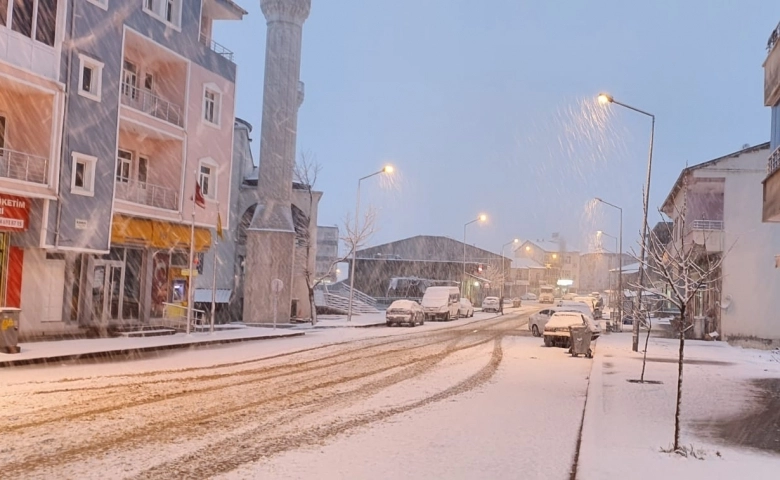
{"x": 14, "y": 213}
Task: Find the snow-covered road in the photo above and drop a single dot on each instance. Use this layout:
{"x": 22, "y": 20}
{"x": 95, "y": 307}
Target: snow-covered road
{"x": 468, "y": 400}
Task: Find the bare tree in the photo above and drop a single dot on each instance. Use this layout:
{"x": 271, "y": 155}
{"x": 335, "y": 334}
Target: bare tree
{"x": 677, "y": 272}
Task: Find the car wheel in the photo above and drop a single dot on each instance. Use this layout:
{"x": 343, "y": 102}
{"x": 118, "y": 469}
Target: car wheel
{"x": 389, "y": 324}
{"x": 548, "y": 342}
{"x": 422, "y": 321}
{"x": 535, "y": 330}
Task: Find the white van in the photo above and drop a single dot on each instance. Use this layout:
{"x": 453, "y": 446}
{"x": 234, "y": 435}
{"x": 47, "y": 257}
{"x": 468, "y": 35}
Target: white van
{"x": 546, "y": 294}
{"x": 441, "y": 303}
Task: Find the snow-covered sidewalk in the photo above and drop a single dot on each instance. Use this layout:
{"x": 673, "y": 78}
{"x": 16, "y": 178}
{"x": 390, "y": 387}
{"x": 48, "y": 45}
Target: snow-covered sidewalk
{"x": 626, "y": 424}
{"x": 61, "y": 350}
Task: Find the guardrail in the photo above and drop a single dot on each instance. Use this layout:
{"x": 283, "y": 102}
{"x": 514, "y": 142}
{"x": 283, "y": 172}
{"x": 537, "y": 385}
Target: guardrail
{"x": 23, "y": 166}
{"x": 216, "y": 47}
{"x": 150, "y": 103}
{"x": 147, "y": 194}
{"x": 774, "y": 162}
{"x": 707, "y": 225}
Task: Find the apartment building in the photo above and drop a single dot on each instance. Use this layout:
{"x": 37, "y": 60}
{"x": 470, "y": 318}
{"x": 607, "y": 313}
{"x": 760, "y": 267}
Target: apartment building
{"x": 327, "y": 253}
{"x": 561, "y": 265}
{"x": 710, "y": 207}
{"x": 144, "y": 101}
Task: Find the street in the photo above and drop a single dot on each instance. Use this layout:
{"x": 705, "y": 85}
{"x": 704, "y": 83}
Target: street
{"x": 463, "y": 401}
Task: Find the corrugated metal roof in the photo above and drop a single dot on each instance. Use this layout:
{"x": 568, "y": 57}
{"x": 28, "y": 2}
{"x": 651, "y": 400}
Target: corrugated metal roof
{"x": 203, "y": 295}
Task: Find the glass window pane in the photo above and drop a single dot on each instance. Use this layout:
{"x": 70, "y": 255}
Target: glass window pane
{"x": 80, "y": 171}
{"x": 4, "y": 12}
{"x": 23, "y": 17}
{"x": 86, "y": 81}
{"x": 47, "y": 22}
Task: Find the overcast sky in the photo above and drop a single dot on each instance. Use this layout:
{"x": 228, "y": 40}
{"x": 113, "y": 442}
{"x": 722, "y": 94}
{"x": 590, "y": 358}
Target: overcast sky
{"x": 490, "y": 107}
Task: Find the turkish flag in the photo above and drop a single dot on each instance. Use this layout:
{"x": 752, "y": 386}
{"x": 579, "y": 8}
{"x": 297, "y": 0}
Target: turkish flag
{"x": 199, "y": 200}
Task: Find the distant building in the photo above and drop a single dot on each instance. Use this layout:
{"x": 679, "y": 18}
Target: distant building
{"x": 327, "y": 253}
{"x": 527, "y": 275}
{"x": 561, "y": 265}
{"x": 594, "y": 271}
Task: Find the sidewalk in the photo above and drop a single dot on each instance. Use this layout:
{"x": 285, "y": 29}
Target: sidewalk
{"x": 61, "y": 350}
{"x": 626, "y": 425}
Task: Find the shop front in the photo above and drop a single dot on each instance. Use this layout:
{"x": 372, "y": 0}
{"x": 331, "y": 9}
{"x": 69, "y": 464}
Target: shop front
{"x": 14, "y": 219}
{"x": 146, "y": 267}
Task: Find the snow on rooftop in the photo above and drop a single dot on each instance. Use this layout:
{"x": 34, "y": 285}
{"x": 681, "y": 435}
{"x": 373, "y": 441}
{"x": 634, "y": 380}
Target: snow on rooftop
{"x": 526, "y": 263}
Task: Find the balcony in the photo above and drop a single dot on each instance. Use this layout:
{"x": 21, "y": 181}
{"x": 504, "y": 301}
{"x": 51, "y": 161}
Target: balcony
{"x": 216, "y": 47}
{"x": 23, "y": 166}
{"x": 147, "y": 194}
{"x": 771, "y": 185}
{"x": 149, "y": 103}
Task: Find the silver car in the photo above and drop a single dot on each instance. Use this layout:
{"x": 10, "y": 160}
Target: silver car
{"x": 491, "y": 304}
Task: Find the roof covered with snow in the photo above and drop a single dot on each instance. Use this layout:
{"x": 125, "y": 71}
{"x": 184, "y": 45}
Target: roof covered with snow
{"x": 630, "y": 268}
{"x": 524, "y": 263}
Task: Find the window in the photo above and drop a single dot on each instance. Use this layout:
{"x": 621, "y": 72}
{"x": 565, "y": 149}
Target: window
{"x": 212, "y": 99}
{"x": 143, "y": 169}
{"x": 149, "y": 82}
{"x": 4, "y": 12}
{"x": 567, "y": 260}
{"x": 46, "y": 23}
{"x": 2, "y": 134}
{"x": 100, "y": 3}
{"x": 168, "y": 11}
{"x": 90, "y": 78}
{"x": 207, "y": 177}
{"x": 124, "y": 160}
{"x": 775, "y": 137}
{"x": 22, "y": 17}
{"x": 83, "y": 181}
{"x": 130, "y": 80}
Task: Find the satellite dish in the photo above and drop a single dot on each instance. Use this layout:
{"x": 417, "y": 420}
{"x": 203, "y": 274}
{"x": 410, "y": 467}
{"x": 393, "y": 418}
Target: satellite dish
{"x": 726, "y": 302}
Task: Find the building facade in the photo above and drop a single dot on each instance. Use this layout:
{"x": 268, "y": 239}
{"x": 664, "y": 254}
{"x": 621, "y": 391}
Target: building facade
{"x": 327, "y": 253}
{"x": 771, "y": 183}
{"x": 561, "y": 265}
{"x": 146, "y": 107}
{"x": 708, "y": 206}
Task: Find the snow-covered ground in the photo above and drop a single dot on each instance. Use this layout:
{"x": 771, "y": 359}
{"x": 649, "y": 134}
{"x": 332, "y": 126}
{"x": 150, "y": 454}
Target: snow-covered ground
{"x": 627, "y": 425}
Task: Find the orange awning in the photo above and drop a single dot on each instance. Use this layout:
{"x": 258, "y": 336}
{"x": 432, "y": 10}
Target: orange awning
{"x": 157, "y": 234}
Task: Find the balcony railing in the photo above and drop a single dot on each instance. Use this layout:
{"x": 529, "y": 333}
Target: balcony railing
{"x": 774, "y": 162}
{"x": 147, "y": 194}
{"x": 707, "y": 225}
{"x": 216, "y": 47}
{"x": 23, "y": 166}
{"x": 150, "y": 103}
{"x": 774, "y": 37}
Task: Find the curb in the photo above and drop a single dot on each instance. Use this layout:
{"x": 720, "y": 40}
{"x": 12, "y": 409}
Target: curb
{"x": 110, "y": 354}
{"x": 593, "y": 401}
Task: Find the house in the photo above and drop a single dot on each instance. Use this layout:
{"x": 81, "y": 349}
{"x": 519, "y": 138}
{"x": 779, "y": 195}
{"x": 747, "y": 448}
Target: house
{"x": 527, "y": 275}
{"x": 562, "y": 265}
{"x": 710, "y": 207}
{"x": 143, "y": 100}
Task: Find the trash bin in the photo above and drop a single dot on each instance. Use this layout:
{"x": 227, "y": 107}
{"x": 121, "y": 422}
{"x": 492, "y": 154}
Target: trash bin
{"x": 9, "y": 330}
{"x": 580, "y": 338}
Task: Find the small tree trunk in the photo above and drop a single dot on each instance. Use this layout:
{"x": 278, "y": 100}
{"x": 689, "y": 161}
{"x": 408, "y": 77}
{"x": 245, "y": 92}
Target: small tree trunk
{"x": 679, "y": 380}
{"x": 644, "y": 355}
{"x": 312, "y": 306}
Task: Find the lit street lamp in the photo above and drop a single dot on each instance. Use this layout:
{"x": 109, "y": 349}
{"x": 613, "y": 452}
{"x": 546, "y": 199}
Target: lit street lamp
{"x": 606, "y": 99}
{"x": 387, "y": 169}
{"x": 481, "y": 218}
{"x": 503, "y": 264}
{"x": 620, "y": 263}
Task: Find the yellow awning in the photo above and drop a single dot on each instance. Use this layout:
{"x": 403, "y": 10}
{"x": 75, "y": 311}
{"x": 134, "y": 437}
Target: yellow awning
{"x": 157, "y": 234}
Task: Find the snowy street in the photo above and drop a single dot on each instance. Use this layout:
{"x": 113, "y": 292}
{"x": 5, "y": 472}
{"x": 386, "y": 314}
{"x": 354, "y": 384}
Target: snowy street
{"x": 445, "y": 401}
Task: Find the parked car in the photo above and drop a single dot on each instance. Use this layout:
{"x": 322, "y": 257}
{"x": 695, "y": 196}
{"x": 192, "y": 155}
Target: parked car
{"x": 576, "y": 306}
{"x": 441, "y": 303}
{"x": 516, "y": 302}
{"x": 491, "y": 304}
{"x": 466, "y": 308}
{"x": 528, "y": 296}
{"x": 556, "y": 331}
{"x": 406, "y": 312}
{"x": 537, "y": 321}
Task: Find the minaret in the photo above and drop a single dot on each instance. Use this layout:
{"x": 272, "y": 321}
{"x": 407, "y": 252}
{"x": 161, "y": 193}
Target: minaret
{"x": 271, "y": 235}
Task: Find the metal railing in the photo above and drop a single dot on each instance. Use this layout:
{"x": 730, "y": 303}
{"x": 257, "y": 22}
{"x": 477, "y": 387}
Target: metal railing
{"x": 774, "y": 37}
{"x": 216, "y": 47}
{"x": 147, "y": 194}
{"x": 150, "y": 103}
{"x": 23, "y": 166}
{"x": 707, "y": 225}
{"x": 774, "y": 162}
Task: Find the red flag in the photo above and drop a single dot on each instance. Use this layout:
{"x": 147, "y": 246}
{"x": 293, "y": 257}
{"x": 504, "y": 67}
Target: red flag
{"x": 199, "y": 200}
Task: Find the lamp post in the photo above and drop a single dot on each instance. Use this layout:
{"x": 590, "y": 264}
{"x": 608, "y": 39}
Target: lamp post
{"x": 605, "y": 99}
{"x": 503, "y": 264}
{"x": 387, "y": 169}
{"x": 620, "y": 263}
{"x": 600, "y": 234}
{"x": 481, "y": 218}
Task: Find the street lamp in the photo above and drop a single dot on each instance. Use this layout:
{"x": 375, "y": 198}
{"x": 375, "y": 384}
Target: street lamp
{"x": 620, "y": 262}
{"x": 606, "y": 99}
{"x": 503, "y": 265}
{"x": 388, "y": 169}
{"x": 481, "y": 218}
